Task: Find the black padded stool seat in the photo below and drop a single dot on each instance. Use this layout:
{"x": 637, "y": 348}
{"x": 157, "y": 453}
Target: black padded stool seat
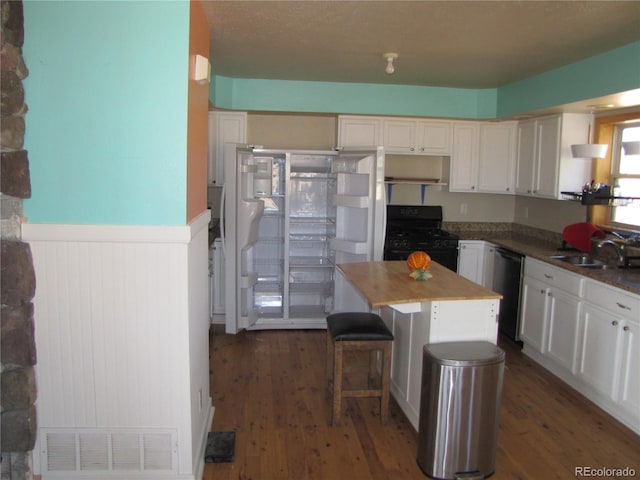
{"x": 358, "y": 331}
{"x": 357, "y": 326}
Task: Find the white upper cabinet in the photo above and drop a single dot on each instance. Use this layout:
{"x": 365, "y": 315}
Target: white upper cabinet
{"x": 405, "y": 136}
{"x": 525, "y": 155}
{"x": 417, "y": 137}
{"x": 497, "y": 157}
{"x": 483, "y": 157}
{"x": 224, "y": 127}
{"x": 399, "y": 136}
{"x": 356, "y": 131}
{"x": 434, "y": 137}
{"x": 545, "y": 166}
{"x": 464, "y": 157}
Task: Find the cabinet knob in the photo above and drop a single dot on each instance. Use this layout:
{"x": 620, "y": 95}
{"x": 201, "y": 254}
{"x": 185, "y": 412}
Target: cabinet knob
{"x": 473, "y": 187}
{"x": 625, "y": 328}
{"x": 542, "y": 292}
{"x": 412, "y": 149}
{"x": 508, "y": 189}
{"x": 614, "y": 323}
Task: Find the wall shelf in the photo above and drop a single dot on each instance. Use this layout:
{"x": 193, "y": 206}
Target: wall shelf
{"x": 423, "y": 182}
{"x": 419, "y": 181}
{"x": 593, "y": 199}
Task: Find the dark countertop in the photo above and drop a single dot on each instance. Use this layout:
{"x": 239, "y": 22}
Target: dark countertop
{"x": 625, "y": 279}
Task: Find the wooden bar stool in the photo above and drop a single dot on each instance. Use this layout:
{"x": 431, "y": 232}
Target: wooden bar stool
{"x": 357, "y": 331}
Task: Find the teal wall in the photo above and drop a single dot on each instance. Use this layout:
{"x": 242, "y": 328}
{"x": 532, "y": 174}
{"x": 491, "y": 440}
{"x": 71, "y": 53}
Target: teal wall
{"x": 107, "y": 92}
{"x": 106, "y": 128}
{"x": 611, "y": 72}
{"x": 357, "y": 98}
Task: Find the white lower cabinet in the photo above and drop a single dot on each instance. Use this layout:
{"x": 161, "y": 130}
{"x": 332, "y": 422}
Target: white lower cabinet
{"x": 587, "y": 333}
{"x": 563, "y": 315}
{"x": 610, "y": 346}
{"x": 550, "y": 310}
{"x": 471, "y": 260}
{"x": 533, "y": 316}
{"x": 475, "y": 261}
{"x": 598, "y": 344}
{"x": 629, "y": 386}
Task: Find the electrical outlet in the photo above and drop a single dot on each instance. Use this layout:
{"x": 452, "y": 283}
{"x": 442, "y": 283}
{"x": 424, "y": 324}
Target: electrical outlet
{"x": 463, "y": 208}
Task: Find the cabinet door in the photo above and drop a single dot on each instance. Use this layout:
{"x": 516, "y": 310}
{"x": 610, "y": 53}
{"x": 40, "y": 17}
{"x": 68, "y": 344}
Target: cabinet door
{"x": 489, "y": 258}
{"x": 563, "y": 315}
{"x": 471, "y": 261}
{"x": 597, "y": 349}
{"x": 401, "y": 352}
{"x": 359, "y": 131}
{"x": 629, "y": 391}
{"x": 433, "y": 138}
{"x": 533, "y": 315}
{"x": 547, "y": 158}
{"x": 399, "y": 136}
{"x": 525, "y": 155}
{"x": 224, "y": 127}
{"x": 464, "y": 157}
{"x": 496, "y": 164}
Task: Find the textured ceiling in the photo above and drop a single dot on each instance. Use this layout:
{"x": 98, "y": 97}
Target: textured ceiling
{"x": 466, "y": 44}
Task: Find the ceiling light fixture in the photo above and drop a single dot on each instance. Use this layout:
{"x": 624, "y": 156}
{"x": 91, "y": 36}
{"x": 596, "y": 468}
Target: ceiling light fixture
{"x": 589, "y": 150}
{"x": 390, "y": 58}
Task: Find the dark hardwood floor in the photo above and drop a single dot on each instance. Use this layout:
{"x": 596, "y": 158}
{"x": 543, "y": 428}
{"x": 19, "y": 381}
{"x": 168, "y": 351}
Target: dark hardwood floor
{"x": 270, "y": 388}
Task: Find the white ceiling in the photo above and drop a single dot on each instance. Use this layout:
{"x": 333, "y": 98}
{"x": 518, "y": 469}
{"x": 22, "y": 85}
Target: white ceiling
{"x": 463, "y": 44}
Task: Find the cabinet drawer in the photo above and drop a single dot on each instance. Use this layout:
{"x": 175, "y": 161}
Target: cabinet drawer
{"x": 554, "y": 276}
{"x": 612, "y": 299}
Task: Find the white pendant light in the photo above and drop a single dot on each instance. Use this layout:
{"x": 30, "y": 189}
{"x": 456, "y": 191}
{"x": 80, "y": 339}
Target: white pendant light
{"x": 589, "y": 150}
{"x": 390, "y": 58}
{"x": 631, "y": 148}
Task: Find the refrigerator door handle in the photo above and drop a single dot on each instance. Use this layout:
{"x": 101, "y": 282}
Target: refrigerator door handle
{"x": 222, "y": 232}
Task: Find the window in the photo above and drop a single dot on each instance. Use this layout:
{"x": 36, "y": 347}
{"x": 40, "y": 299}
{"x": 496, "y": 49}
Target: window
{"x": 626, "y": 175}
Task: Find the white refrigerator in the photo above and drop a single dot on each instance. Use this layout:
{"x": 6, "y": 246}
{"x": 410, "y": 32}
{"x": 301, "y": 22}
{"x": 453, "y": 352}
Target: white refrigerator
{"x": 288, "y": 218}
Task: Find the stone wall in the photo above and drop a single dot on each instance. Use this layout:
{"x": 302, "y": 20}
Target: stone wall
{"x": 17, "y": 278}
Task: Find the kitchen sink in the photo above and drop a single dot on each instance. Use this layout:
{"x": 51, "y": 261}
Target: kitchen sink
{"x": 583, "y": 261}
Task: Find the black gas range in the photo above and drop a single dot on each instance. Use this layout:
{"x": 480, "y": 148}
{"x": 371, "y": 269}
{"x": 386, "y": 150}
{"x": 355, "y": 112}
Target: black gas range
{"x": 410, "y": 228}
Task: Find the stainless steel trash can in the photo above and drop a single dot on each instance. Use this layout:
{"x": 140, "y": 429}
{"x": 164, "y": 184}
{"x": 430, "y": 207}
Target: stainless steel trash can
{"x": 459, "y": 414}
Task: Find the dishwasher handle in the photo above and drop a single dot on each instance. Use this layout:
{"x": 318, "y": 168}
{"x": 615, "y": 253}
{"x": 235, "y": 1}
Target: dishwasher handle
{"x": 508, "y": 254}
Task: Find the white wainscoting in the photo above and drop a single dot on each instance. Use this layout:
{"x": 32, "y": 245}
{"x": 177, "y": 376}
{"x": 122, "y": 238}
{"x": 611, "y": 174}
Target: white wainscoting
{"x": 121, "y": 315}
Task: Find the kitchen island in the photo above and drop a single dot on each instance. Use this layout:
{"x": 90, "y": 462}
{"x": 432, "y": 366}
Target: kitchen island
{"x": 445, "y": 308}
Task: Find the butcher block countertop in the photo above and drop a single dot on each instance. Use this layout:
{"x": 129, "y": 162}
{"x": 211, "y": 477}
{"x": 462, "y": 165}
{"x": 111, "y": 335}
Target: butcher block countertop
{"x": 388, "y": 283}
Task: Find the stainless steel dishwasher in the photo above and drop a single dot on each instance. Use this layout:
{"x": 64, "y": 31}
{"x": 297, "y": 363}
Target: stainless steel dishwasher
{"x": 507, "y": 280}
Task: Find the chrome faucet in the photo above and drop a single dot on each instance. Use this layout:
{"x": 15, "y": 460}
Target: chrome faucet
{"x": 620, "y": 250}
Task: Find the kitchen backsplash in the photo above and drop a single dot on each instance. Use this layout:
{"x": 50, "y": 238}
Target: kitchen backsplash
{"x": 481, "y": 230}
